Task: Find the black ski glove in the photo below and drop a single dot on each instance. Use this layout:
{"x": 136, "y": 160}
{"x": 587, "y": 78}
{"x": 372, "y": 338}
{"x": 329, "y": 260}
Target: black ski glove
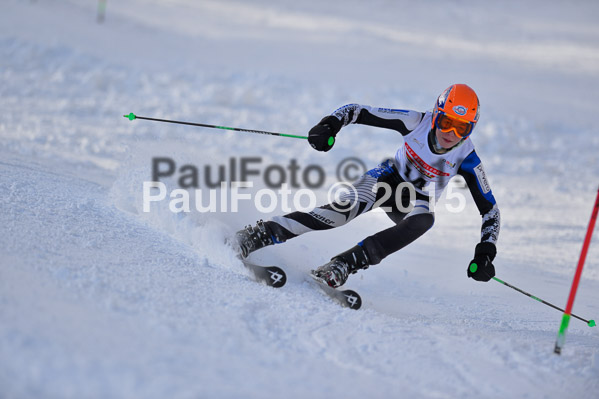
{"x": 322, "y": 136}
{"x": 481, "y": 267}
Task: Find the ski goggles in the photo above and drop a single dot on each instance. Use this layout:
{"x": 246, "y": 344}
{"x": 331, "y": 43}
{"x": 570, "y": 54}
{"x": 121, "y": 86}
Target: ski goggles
{"x": 461, "y": 127}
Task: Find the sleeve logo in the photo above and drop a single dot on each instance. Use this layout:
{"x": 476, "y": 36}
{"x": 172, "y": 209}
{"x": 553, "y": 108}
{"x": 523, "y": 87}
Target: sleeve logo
{"x": 482, "y": 179}
{"x": 393, "y": 111}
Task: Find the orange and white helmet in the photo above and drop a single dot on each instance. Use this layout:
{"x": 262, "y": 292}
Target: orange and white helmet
{"x": 457, "y": 109}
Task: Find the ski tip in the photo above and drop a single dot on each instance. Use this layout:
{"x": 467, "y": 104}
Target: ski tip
{"x": 346, "y": 298}
{"x": 273, "y": 276}
{"x": 277, "y": 277}
{"x": 352, "y": 299}
{"x": 592, "y": 323}
{"x": 131, "y": 116}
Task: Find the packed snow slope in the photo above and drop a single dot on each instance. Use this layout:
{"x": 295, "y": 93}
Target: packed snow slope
{"x": 101, "y": 299}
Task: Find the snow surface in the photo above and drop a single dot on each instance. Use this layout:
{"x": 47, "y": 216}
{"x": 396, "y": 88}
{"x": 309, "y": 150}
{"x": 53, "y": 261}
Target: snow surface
{"x": 101, "y": 300}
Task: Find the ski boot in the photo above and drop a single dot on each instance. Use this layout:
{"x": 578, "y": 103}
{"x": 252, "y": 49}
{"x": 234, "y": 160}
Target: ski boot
{"x": 336, "y": 272}
{"x": 259, "y": 236}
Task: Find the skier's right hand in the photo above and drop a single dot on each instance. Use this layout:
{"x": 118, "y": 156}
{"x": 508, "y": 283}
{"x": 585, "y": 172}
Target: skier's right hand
{"x": 322, "y": 136}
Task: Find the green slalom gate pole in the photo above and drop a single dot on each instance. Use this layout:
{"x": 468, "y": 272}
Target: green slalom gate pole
{"x": 561, "y": 335}
{"x": 132, "y": 116}
{"x": 590, "y": 323}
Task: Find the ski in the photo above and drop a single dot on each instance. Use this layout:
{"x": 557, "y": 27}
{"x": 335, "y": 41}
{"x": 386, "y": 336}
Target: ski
{"x": 273, "y": 276}
{"x": 347, "y": 298}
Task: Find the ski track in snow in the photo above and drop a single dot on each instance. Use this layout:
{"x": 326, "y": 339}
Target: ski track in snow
{"x": 99, "y": 299}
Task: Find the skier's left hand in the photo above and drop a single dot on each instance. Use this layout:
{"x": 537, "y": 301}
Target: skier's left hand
{"x": 481, "y": 267}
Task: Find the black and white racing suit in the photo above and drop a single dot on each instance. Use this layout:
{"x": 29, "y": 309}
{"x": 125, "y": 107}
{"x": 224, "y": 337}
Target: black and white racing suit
{"x": 417, "y": 163}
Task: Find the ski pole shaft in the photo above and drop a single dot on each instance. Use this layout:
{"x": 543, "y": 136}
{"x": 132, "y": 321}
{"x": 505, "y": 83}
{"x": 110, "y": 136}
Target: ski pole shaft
{"x": 590, "y": 323}
{"x": 132, "y": 116}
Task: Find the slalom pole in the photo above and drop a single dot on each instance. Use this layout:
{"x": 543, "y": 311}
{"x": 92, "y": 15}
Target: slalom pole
{"x": 561, "y": 335}
{"x": 132, "y": 116}
{"x": 590, "y": 323}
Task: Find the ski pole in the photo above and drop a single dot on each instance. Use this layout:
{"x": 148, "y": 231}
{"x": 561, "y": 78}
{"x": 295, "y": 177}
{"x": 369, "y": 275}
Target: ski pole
{"x": 132, "y": 116}
{"x": 590, "y": 323}
{"x": 561, "y": 335}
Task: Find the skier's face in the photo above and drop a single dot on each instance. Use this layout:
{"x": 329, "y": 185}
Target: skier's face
{"x": 446, "y": 139}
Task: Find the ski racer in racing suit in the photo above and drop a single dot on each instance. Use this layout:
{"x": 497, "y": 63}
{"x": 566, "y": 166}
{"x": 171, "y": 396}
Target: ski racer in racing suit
{"x": 436, "y": 147}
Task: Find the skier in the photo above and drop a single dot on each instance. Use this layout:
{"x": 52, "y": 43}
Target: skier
{"x": 435, "y": 148}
